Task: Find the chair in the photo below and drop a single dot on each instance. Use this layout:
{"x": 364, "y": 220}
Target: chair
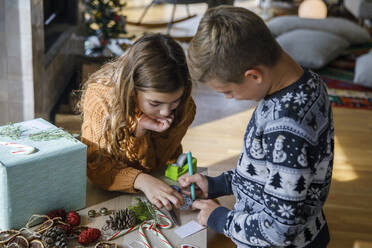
{"x": 361, "y": 9}
{"x": 211, "y": 3}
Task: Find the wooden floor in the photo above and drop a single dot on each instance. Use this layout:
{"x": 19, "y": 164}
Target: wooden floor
{"x": 216, "y": 140}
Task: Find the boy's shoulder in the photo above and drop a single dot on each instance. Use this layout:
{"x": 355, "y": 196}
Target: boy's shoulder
{"x": 299, "y": 98}
{"x": 302, "y": 107}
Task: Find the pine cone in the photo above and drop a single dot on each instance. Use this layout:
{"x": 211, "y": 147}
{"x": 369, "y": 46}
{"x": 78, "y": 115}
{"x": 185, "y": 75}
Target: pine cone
{"x": 121, "y": 219}
{"x": 66, "y": 227}
{"x": 55, "y": 237}
{"x": 73, "y": 218}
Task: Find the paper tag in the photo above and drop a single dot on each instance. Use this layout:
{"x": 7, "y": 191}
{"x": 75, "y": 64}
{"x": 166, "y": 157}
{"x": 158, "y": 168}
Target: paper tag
{"x": 189, "y": 229}
{"x": 136, "y": 244}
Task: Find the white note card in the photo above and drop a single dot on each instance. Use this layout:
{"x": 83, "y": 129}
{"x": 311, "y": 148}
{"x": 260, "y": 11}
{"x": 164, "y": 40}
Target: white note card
{"x": 188, "y": 229}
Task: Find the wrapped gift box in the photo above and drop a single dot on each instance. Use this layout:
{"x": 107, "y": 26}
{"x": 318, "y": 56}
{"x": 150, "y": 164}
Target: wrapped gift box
{"x": 52, "y": 177}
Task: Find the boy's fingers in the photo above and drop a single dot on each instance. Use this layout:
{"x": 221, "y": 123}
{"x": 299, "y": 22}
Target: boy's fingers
{"x": 199, "y": 204}
{"x": 183, "y": 180}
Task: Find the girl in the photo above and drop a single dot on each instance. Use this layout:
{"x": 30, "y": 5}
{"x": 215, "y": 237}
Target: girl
{"x": 136, "y": 110}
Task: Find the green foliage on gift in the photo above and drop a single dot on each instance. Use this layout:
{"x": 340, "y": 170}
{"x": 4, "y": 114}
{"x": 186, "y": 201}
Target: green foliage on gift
{"x": 12, "y": 131}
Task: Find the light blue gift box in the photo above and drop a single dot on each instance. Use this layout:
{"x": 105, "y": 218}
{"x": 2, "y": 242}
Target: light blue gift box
{"x": 52, "y": 178}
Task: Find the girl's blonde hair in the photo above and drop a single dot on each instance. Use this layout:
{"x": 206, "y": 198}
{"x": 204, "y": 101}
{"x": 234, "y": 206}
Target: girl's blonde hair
{"x": 156, "y": 63}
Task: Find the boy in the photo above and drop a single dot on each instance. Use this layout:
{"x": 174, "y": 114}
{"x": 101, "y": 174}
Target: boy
{"x": 284, "y": 172}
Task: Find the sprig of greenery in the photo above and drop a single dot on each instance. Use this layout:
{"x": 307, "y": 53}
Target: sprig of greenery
{"x": 11, "y": 130}
{"x": 51, "y": 134}
{"x": 143, "y": 210}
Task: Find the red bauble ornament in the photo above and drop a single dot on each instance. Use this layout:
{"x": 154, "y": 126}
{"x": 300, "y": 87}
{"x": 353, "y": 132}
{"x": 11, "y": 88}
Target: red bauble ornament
{"x": 88, "y": 236}
{"x": 73, "y": 218}
{"x": 57, "y": 213}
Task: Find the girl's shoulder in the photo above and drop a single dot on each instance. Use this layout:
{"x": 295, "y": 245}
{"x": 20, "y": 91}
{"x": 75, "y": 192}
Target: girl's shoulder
{"x": 100, "y": 85}
{"x": 98, "y": 89}
{"x": 97, "y": 95}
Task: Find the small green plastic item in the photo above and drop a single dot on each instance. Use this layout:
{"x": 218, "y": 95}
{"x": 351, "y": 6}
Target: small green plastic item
{"x": 173, "y": 171}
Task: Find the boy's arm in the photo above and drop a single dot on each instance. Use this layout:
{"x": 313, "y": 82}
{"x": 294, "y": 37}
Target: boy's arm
{"x": 220, "y": 185}
{"x": 283, "y": 214}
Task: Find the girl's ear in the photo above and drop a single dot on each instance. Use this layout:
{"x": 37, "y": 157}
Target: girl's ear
{"x": 134, "y": 96}
{"x": 133, "y": 93}
{"x": 255, "y": 75}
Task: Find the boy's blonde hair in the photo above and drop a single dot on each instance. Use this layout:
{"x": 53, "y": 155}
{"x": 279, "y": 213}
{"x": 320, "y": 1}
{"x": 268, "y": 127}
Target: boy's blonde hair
{"x": 156, "y": 63}
{"x": 229, "y": 41}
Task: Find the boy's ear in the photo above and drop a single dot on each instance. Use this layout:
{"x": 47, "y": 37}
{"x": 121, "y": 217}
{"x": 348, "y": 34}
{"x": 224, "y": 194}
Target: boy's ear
{"x": 254, "y": 74}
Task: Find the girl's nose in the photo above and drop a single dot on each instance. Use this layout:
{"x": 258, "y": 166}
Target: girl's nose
{"x": 228, "y": 96}
{"x": 165, "y": 111}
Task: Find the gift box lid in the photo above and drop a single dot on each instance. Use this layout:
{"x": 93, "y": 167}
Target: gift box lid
{"x": 46, "y": 138}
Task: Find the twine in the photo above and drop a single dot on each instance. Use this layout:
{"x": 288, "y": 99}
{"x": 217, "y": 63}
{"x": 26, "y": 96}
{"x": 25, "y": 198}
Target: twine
{"x": 6, "y": 236}
{"x": 45, "y": 225}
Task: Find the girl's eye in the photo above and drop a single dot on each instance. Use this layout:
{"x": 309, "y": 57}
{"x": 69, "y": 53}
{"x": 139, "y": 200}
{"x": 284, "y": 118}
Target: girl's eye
{"x": 154, "y": 104}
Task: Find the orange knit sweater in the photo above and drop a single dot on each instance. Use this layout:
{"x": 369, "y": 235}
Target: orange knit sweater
{"x": 144, "y": 154}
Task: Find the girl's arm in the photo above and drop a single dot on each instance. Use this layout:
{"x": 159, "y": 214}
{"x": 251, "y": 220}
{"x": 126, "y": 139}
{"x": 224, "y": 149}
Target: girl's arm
{"x": 102, "y": 169}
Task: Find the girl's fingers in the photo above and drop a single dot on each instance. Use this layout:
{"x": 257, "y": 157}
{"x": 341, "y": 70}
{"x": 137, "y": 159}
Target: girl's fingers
{"x": 158, "y": 203}
{"x": 165, "y": 203}
{"x": 179, "y": 197}
{"x": 176, "y": 202}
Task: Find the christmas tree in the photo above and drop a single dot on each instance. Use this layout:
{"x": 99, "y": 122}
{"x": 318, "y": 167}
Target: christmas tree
{"x": 300, "y": 185}
{"x": 251, "y": 170}
{"x": 308, "y": 234}
{"x": 103, "y": 19}
{"x": 276, "y": 181}
{"x": 318, "y": 224}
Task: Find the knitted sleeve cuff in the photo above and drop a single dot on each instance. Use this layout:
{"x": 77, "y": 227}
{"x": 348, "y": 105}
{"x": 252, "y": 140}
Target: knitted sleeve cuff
{"x": 126, "y": 178}
{"x": 217, "y": 186}
{"x": 218, "y": 219}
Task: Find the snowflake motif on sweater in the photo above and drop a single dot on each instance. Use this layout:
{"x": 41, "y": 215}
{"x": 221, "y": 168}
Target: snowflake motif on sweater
{"x": 284, "y": 173}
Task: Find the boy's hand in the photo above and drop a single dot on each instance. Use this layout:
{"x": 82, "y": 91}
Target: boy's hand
{"x": 157, "y": 192}
{"x": 206, "y": 208}
{"x": 201, "y": 183}
{"x": 157, "y": 125}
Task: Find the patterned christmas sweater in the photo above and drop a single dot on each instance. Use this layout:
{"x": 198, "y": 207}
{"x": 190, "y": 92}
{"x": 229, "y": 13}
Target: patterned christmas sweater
{"x": 283, "y": 175}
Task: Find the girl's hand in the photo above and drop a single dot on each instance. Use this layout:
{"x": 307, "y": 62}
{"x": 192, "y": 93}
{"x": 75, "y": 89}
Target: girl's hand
{"x": 157, "y": 192}
{"x": 201, "y": 183}
{"x": 157, "y": 125}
